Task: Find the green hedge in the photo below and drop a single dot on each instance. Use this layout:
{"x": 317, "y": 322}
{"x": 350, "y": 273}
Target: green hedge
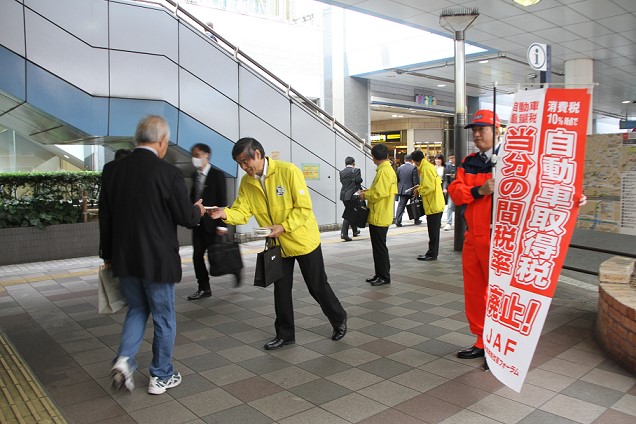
{"x": 38, "y": 199}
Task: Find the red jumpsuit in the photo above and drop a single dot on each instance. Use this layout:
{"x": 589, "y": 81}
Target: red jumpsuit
{"x": 473, "y": 173}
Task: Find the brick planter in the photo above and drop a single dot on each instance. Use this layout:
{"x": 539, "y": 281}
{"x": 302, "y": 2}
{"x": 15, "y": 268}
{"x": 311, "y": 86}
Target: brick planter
{"x": 616, "y": 322}
{"x": 30, "y": 244}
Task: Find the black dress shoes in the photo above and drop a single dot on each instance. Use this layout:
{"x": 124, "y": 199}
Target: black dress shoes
{"x": 398, "y": 224}
{"x": 199, "y": 294}
{"x": 339, "y": 331}
{"x": 380, "y": 281}
{"x": 426, "y": 258}
{"x": 417, "y": 222}
{"x": 278, "y": 343}
{"x": 346, "y": 238}
{"x": 356, "y": 233}
{"x": 238, "y": 279}
{"x": 470, "y": 353}
{"x": 370, "y": 279}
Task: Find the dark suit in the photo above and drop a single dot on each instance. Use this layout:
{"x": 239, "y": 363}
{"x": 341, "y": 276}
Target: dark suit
{"x": 407, "y": 177}
{"x": 142, "y": 200}
{"x": 203, "y": 235}
{"x": 351, "y": 180}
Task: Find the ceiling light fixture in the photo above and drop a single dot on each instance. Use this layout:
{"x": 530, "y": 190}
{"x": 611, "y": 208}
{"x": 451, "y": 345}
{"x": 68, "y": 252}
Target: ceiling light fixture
{"x": 483, "y": 61}
{"x": 441, "y": 85}
{"x": 526, "y": 3}
{"x": 626, "y": 101}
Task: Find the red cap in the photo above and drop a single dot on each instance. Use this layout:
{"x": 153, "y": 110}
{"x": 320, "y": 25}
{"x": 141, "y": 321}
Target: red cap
{"x": 483, "y": 118}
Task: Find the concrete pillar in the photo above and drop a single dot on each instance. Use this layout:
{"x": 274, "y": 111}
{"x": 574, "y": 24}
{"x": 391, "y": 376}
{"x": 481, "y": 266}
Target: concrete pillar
{"x": 579, "y": 72}
{"x": 410, "y": 140}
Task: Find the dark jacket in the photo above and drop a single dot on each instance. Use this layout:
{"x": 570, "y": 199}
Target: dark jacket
{"x": 142, "y": 200}
{"x": 214, "y": 194}
{"x": 407, "y": 177}
{"x": 351, "y": 180}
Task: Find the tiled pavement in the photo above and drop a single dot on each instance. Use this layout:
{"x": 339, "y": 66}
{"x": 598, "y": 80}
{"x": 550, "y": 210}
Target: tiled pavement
{"x": 396, "y": 364}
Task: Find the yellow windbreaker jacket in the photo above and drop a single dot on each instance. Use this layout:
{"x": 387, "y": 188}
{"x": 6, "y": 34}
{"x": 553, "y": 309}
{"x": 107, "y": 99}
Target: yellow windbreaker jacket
{"x": 381, "y": 195}
{"x": 289, "y": 205}
{"x": 430, "y": 188}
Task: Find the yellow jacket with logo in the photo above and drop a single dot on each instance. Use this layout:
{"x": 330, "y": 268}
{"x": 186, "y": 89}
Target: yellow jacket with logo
{"x": 430, "y": 188}
{"x": 381, "y": 195}
{"x": 289, "y": 205}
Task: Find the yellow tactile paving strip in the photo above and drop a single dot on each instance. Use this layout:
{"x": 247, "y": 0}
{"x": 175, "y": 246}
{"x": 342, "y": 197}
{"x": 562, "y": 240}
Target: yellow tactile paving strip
{"x": 22, "y": 399}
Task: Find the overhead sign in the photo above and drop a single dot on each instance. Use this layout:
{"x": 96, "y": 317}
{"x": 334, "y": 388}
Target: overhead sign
{"x": 539, "y": 56}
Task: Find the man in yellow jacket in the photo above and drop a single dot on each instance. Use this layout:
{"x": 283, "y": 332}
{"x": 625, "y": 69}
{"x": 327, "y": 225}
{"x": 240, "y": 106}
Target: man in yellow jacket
{"x": 275, "y": 193}
{"x": 430, "y": 189}
{"x": 380, "y": 198}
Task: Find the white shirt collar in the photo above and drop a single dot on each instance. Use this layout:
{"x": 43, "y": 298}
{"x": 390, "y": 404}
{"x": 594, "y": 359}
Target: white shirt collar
{"x": 148, "y": 148}
{"x": 206, "y": 169}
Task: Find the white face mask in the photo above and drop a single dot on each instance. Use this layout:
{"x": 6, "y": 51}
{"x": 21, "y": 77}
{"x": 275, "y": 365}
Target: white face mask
{"x": 197, "y": 162}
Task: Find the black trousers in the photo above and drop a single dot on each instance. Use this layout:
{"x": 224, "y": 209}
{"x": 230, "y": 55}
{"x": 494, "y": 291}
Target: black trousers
{"x": 201, "y": 239}
{"x": 380, "y": 251}
{"x": 345, "y": 223}
{"x": 433, "y": 223}
{"x": 312, "y": 267}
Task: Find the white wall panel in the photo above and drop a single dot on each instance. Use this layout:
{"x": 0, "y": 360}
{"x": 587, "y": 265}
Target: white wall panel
{"x": 309, "y": 131}
{"x": 143, "y": 77}
{"x": 207, "y": 105}
{"x": 65, "y": 56}
{"x": 12, "y": 26}
{"x": 324, "y": 186}
{"x": 263, "y": 100}
{"x": 271, "y": 139}
{"x": 143, "y": 29}
{"x": 207, "y": 62}
{"x": 86, "y": 19}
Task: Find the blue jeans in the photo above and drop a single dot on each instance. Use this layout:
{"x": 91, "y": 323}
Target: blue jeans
{"x": 144, "y": 298}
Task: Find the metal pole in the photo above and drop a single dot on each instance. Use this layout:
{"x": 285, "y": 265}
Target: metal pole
{"x": 460, "y": 123}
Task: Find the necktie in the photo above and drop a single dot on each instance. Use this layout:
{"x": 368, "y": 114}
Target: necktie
{"x": 483, "y": 157}
{"x": 198, "y": 185}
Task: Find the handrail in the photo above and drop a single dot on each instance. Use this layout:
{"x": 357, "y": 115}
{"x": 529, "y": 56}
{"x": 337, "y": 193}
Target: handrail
{"x": 285, "y": 88}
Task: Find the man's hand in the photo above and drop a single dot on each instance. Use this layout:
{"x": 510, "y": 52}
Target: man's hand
{"x": 200, "y": 205}
{"x": 487, "y": 188}
{"x": 277, "y": 230}
{"x": 361, "y": 194}
{"x": 217, "y": 213}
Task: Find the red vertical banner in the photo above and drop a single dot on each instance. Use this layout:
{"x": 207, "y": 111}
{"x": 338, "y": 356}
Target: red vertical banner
{"x": 538, "y": 184}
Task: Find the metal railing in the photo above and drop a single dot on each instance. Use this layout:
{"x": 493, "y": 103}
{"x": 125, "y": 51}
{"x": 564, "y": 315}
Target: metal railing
{"x": 292, "y": 94}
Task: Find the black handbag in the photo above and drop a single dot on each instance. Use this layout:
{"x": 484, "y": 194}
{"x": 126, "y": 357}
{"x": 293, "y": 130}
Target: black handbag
{"x": 356, "y": 213}
{"x": 269, "y": 264}
{"x": 415, "y": 208}
{"x": 224, "y": 257}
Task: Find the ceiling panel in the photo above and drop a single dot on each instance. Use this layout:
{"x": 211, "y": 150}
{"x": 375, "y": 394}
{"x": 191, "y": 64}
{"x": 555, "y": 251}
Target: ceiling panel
{"x": 603, "y": 30}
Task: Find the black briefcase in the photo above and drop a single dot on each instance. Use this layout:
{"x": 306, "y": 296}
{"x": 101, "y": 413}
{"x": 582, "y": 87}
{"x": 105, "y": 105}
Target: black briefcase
{"x": 269, "y": 264}
{"x": 415, "y": 208}
{"x": 224, "y": 257}
{"x": 357, "y": 213}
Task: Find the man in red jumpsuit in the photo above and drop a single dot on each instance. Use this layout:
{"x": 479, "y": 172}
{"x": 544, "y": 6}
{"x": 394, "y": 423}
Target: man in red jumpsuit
{"x": 473, "y": 187}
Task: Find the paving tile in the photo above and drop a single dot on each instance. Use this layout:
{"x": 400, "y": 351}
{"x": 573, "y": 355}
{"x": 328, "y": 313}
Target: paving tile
{"x": 290, "y": 377}
{"x": 354, "y": 356}
{"x": 388, "y": 393}
{"x": 354, "y": 379}
{"x": 548, "y": 380}
{"x": 391, "y": 416}
{"x": 609, "y": 379}
{"x": 252, "y": 388}
{"x": 227, "y": 374}
{"x": 320, "y": 391}
{"x": 573, "y": 409}
{"x": 612, "y": 416}
{"x": 314, "y": 416}
{"x": 567, "y": 368}
{"x": 593, "y": 393}
{"x": 281, "y": 405}
{"x": 354, "y": 407}
{"x": 419, "y": 380}
{"x": 530, "y": 395}
{"x": 542, "y": 417}
{"x": 457, "y": 393}
{"x": 296, "y": 355}
{"x": 324, "y": 366}
{"x": 501, "y": 409}
{"x": 626, "y": 404}
{"x": 385, "y": 368}
{"x": 237, "y": 414}
{"x": 412, "y": 357}
{"x": 264, "y": 364}
{"x": 471, "y": 417}
{"x": 94, "y": 410}
{"x": 192, "y": 384}
{"x": 241, "y": 353}
{"x": 428, "y": 408}
{"x": 206, "y": 403}
{"x": 204, "y": 362}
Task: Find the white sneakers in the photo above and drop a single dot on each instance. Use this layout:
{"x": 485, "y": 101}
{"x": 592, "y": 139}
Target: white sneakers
{"x": 448, "y": 227}
{"x": 157, "y": 387}
{"x": 121, "y": 373}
